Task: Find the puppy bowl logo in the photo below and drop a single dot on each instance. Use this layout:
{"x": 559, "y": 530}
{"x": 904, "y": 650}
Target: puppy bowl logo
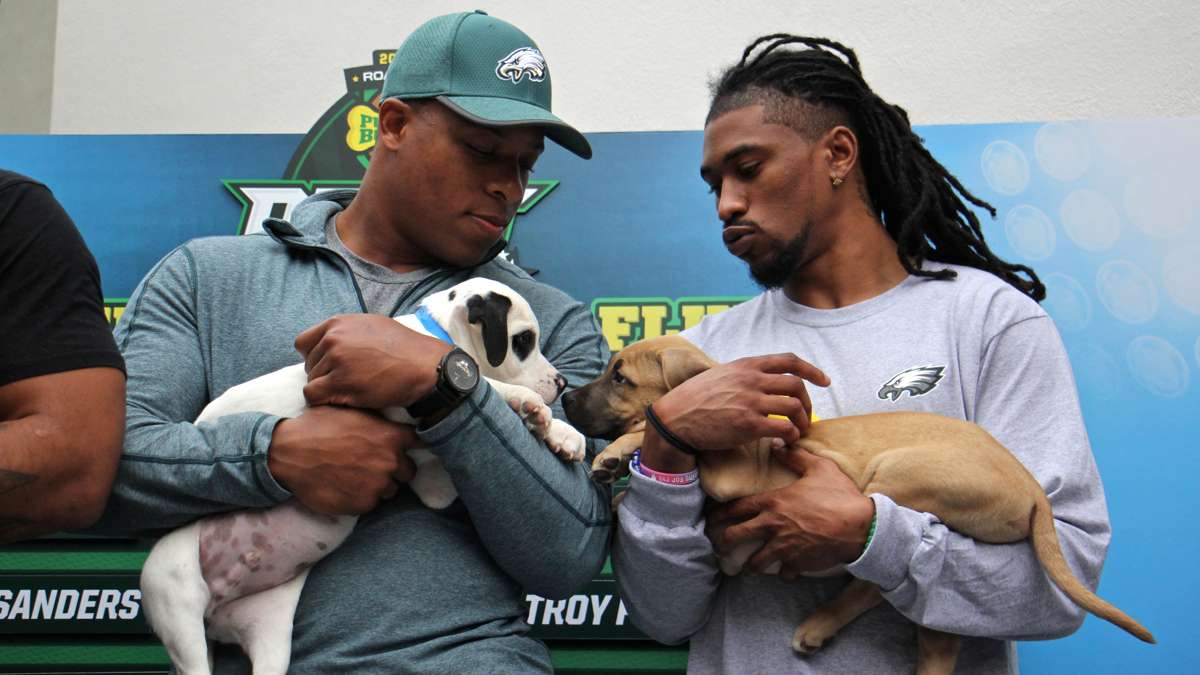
{"x": 520, "y": 63}
{"x": 336, "y": 151}
{"x": 916, "y": 381}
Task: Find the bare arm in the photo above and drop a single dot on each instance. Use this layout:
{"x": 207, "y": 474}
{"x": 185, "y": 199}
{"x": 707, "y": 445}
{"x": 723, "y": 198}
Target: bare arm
{"x": 60, "y": 438}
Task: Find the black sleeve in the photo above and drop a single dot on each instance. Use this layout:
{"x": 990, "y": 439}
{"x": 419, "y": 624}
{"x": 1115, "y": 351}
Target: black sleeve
{"x": 51, "y": 310}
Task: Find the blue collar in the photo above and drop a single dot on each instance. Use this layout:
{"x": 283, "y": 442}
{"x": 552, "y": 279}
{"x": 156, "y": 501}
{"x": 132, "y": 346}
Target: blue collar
{"x": 432, "y": 326}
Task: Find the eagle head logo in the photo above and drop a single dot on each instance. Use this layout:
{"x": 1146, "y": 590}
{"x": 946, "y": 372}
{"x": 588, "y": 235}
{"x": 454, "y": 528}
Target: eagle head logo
{"x": 522, "y": 62}
{"x": 916, "y": 381}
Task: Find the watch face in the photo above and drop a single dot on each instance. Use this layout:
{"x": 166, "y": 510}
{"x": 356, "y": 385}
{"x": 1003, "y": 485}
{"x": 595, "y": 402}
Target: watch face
{"x": 461, "y": 371}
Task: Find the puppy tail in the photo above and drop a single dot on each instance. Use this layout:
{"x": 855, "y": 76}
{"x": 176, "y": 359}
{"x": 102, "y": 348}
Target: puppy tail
{"x": 1049, "y": 553}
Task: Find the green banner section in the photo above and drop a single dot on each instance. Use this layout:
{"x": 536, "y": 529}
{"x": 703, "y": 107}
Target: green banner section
{"x": 71, "y": 561}
{"x": 100, "y": 657}
{"x": 618, "y": 659}
{"x": 78, "y": 654}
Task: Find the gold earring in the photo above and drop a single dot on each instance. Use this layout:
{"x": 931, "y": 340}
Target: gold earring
{"x": 836, "y": 180}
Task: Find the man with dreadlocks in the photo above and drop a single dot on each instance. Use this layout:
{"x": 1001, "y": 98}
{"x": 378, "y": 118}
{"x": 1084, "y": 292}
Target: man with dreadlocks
{"x": 876, "y": 270}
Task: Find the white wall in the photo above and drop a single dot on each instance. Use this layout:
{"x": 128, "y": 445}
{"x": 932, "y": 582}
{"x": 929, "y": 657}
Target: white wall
{"x": 26, "y": 65}
{"x": 165, "y": 66}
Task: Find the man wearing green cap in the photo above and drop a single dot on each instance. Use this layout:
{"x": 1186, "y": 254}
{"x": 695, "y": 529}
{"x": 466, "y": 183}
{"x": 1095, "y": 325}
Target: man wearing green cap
{"x": 463, "y": 112}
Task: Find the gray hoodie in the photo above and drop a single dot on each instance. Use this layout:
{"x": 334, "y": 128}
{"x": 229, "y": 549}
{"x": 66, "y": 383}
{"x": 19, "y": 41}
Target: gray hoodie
{"x": 411, "y": 589}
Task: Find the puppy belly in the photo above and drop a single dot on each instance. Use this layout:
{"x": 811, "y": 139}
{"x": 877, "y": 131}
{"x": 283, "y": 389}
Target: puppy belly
{"x": 244, "y": 552}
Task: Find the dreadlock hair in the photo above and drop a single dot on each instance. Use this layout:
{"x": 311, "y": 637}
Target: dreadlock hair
{"x": 919, "y": 202}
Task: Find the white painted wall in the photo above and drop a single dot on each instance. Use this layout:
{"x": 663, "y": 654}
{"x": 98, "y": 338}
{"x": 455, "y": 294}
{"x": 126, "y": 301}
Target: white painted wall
{"x": 166, "y": 66}
{"x": 26, "y": 65}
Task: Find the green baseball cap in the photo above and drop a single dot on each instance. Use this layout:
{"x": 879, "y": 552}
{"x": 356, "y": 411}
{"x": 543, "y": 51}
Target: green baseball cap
{"x": 482, "y": 68}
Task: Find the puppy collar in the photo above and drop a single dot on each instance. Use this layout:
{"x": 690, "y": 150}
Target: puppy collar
{"x": 432, "y": 326}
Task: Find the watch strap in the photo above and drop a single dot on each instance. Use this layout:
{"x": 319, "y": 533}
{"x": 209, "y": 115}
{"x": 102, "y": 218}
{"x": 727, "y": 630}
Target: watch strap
{"x": 443, "y": 396}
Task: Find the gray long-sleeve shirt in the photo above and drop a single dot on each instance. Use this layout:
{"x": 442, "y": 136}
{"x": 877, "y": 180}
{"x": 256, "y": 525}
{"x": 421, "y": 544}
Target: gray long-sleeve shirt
{"x": 411, "y": 590}
{"x": 973, "y": 348}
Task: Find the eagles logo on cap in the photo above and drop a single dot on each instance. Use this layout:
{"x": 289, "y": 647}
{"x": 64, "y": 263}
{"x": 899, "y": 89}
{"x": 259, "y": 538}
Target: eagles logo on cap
{"x": 522, "y": 62}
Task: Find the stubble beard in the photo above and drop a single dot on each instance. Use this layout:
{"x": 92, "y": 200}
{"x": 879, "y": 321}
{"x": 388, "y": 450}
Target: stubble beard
{"x": 775, "y": 271}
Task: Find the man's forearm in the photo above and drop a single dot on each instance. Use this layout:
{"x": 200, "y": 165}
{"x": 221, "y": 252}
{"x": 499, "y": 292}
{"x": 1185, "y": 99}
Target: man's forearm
{"x": 541, "y": 518}
{"x": 174, "y": 472}
{"x": 48, "y": 482}
{"x": 946, "y": 581}
{"x": 13, "y": 524}
{"x": 664, "y": 565}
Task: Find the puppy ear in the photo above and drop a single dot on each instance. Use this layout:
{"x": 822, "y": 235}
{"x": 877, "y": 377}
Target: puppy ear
{"x": 679, "y": 365}
{"x": 491, "y": 313}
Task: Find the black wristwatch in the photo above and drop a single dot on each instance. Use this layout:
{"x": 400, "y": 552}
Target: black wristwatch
{"x": 457, "y": 377}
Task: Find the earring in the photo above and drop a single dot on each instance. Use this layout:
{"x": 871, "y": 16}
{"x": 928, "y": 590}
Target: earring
{"x": 836, "y": 180}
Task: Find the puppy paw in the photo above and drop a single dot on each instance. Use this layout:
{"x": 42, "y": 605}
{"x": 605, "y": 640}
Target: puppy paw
{"x": 606, "y": 469}
{"x": 432, "y": 483}
{"x": 565, "y": 441}
{"x": 812, "y": 635}
{"x": 537, "y": 418}
{"x": 532, "y": 410}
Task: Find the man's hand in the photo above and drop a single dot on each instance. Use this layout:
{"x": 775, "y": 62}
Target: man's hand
{"x": 368, "y": 361}
{"x": 341, "y": 460}
{"x": 818, "y": 522}
{"x": 727, "y": 405}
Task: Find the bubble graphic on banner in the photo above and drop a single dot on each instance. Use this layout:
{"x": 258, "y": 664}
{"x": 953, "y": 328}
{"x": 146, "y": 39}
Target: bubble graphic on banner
{"x": 1030, "y": 232}
{"x": 1067, "y": 302}
{"x": 1181, "y": 277}
{"x": 1159, "y": 205}
{"x": 1005, "y": 167}
{"x": 1158, "y": 366}
{"x": 1095, "y": 371}
{"x": 1090, "y": 220}
{"x": 1062, "y": 150}
{"x": 1126, "y": 291}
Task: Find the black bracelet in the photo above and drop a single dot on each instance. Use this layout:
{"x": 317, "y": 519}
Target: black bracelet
{"x": 674, "y": 441}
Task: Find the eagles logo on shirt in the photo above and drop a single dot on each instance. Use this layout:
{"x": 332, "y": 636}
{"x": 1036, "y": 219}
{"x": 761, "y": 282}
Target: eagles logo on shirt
{"x": 522, "y": 62}
{"x": 916, "y": 381}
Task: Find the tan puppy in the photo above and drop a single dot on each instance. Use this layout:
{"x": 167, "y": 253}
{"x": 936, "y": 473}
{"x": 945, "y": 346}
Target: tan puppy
{"x": 950, "y": 468}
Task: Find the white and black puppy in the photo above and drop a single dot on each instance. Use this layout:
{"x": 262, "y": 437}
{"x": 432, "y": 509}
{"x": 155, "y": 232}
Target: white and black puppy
{"x": 237, "y": 577}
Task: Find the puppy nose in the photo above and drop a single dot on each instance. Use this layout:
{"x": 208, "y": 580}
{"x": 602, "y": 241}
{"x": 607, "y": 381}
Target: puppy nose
{"x": 560, "y": 382}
